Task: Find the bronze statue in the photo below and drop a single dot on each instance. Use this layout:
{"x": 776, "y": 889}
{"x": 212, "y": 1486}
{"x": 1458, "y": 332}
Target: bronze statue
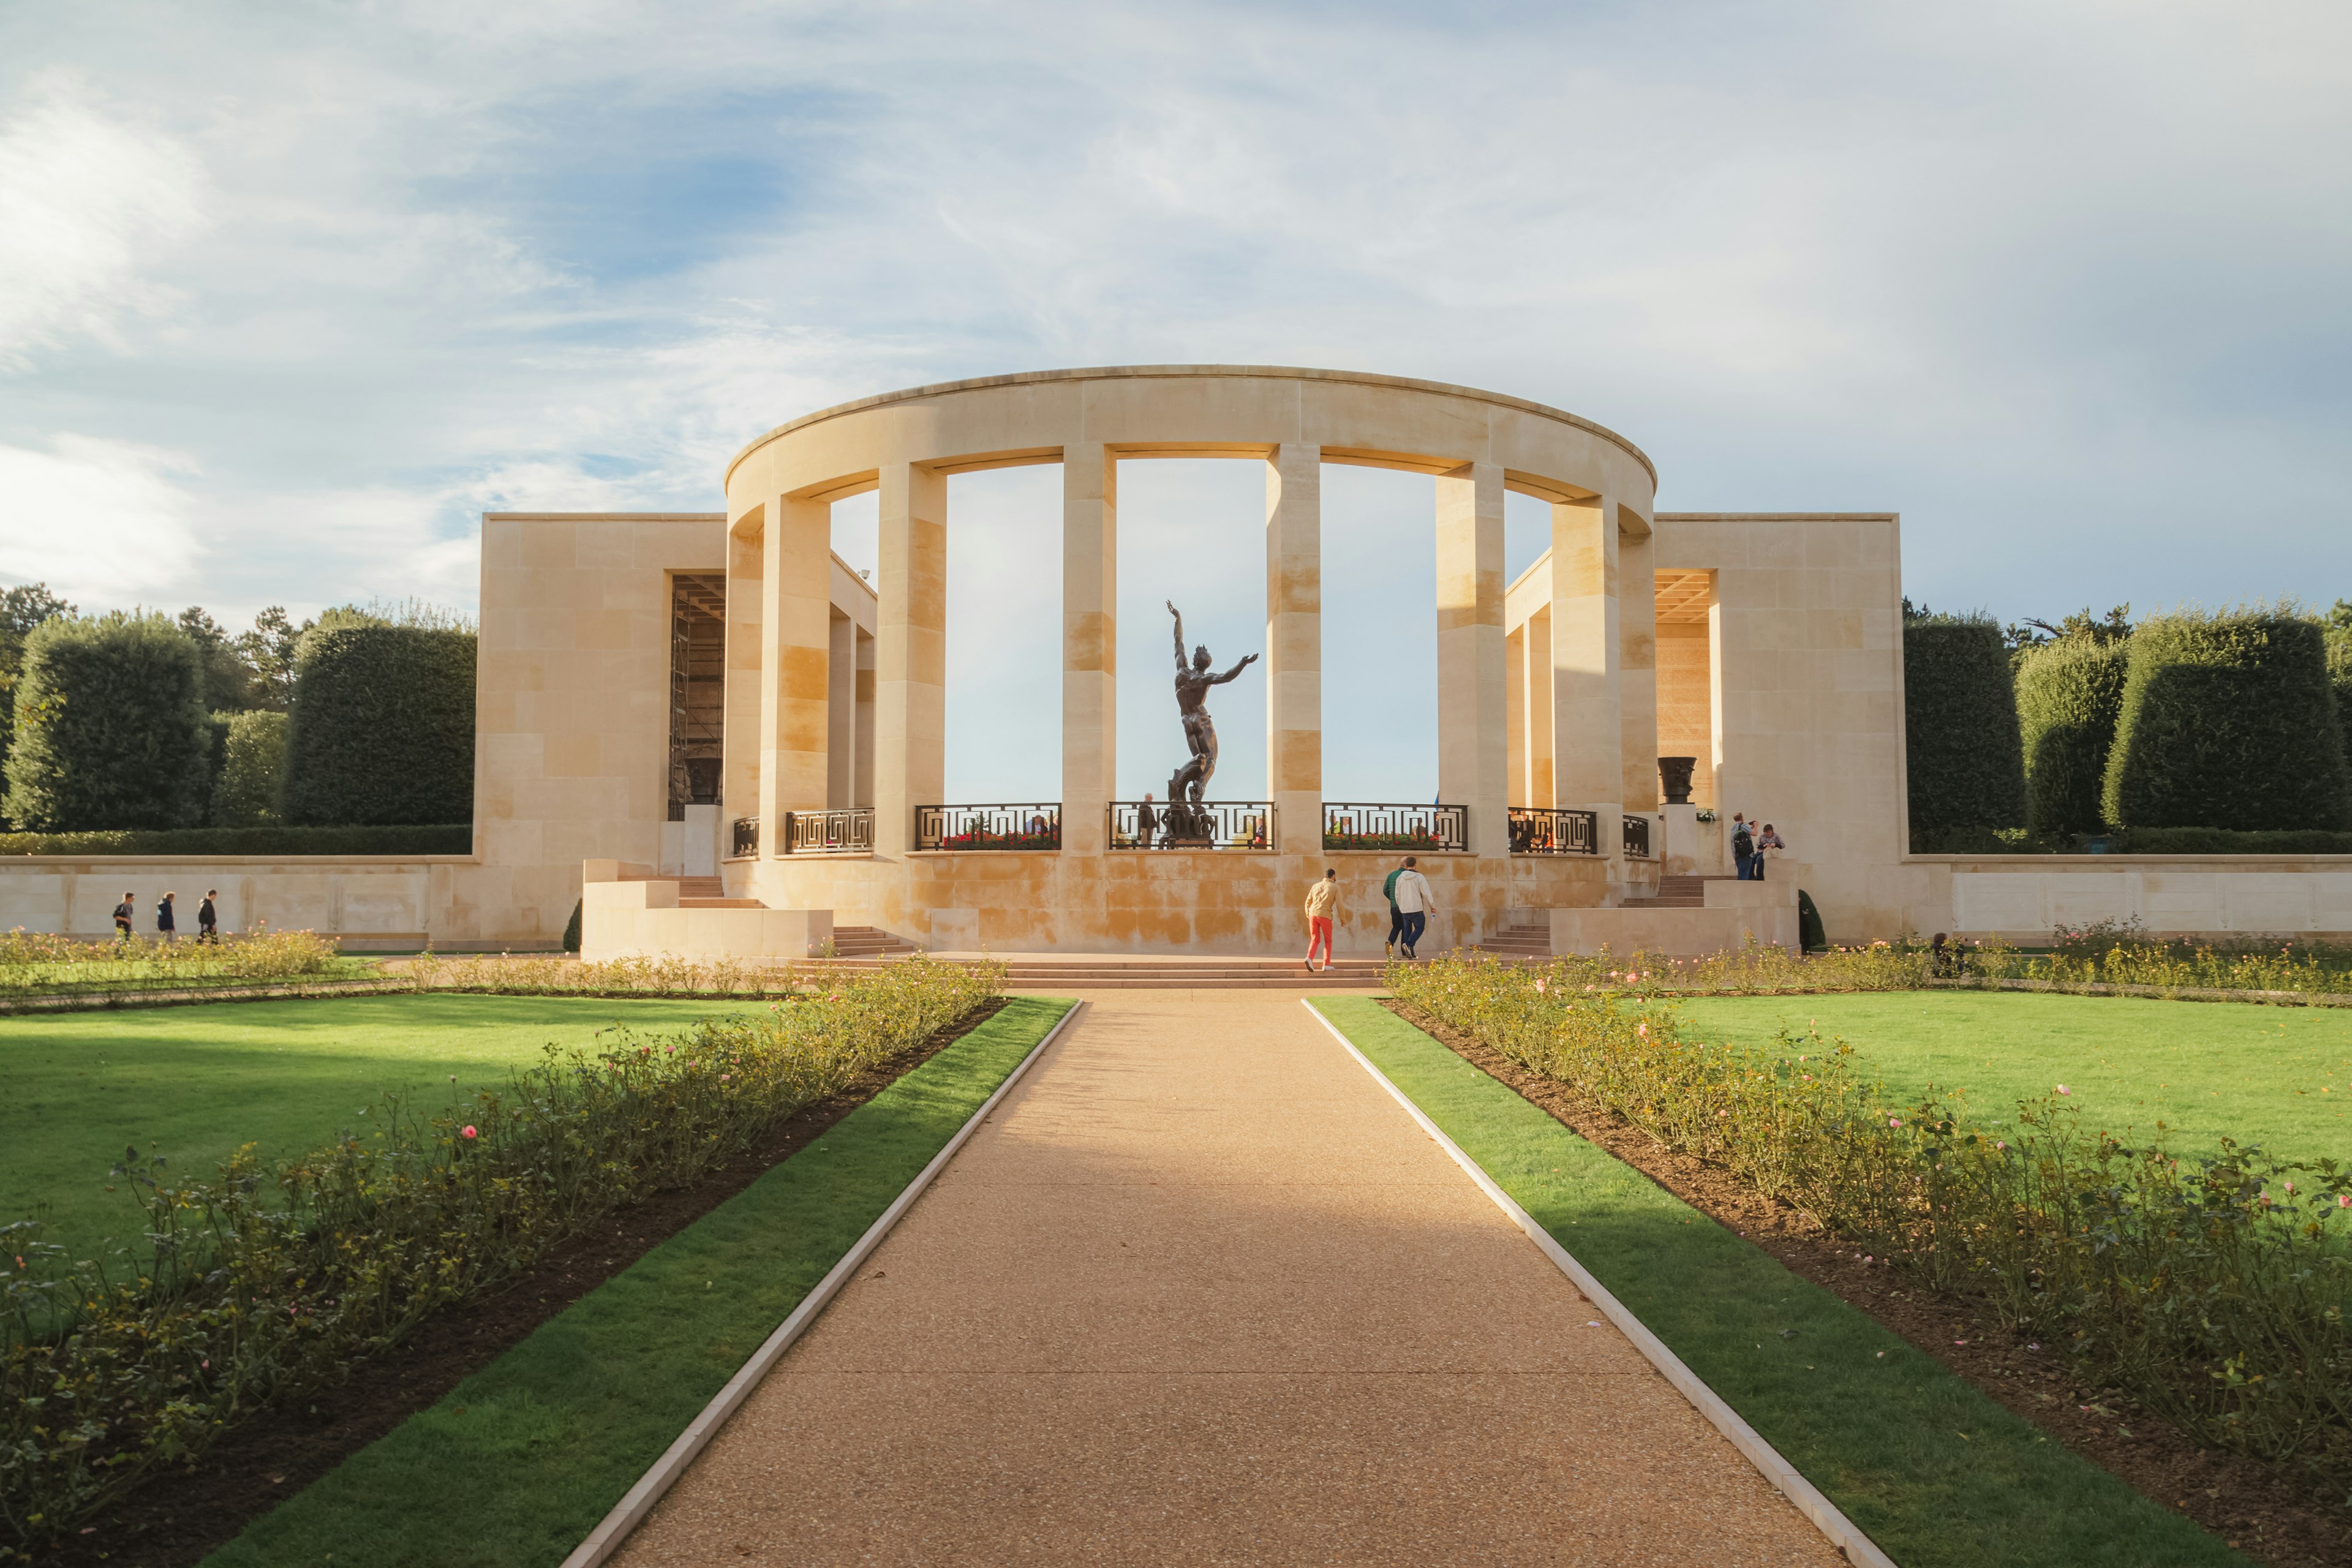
{"x": 1182, "y": 818}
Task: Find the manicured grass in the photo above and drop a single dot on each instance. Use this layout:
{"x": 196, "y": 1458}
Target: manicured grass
{"x": 2281, "y": 1076}
{"x": 196, "y": 1082}
{"x": 522, "y": 1460}
{"x": 1935, "y": 1473}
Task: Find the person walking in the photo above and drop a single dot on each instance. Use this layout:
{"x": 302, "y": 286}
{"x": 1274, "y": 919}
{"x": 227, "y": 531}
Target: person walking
{"x": 1743, "y": 847}
{"x": 1396, "y": 916}
{"x": 164, "y": 921}
{"x": 208, "y": 918}
{"x": 1413, "y": 902}
{"x": 1322, "y": 897}
{"x": 124, "y": 914}
{"x": 1768, "y": 839}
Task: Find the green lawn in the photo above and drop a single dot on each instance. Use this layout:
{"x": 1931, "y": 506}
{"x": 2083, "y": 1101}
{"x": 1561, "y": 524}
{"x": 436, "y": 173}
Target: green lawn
{"x": 2281, "y": 1076}
{"x": 522, "y": 1460}
{"x": 1940, "y": 1475}
{"x": 197, "y": 1081}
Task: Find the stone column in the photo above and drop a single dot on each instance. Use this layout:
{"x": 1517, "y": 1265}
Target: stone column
{"x": 1473, "y": 748}
{"x": 741, "y": 742}
{"x": 862, "y": 790}
{"x": 1588, "y": 725}
{"x": 1090, "y": 644}
{"x": 795, "y": 648}
{"x": 1515, "y": 705}
{"x": 910, "y": 655}
{"x": 1637, "y": 686}
{"x": 1293, "y": 646}
{"x": 841, "y": 714}
{"x": 1541, "y": 792}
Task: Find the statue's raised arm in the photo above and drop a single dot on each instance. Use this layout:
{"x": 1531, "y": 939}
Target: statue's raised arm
{"x": 1180, "y": 634}
{"x": 1247, "y": 659}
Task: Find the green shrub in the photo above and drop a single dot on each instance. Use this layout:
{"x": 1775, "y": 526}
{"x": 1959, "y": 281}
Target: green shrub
{"x": 2228, "y": 841}
{"x": 383, "y": 728}
{"x": 253, "y": 766}
{"x": 2069, "y": 693}
{"x": 2216, "y": 1289}
{"x": 110, "y": 727}
{"x": 270, "y": 1284}
{"x": 435, "y": 839}
{"x": 2228, "y": 721}
{"x": 1966, "y": 764}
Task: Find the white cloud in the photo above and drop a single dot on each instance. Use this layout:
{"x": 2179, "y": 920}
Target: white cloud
{"x": 102, "y": 521}
{"x": 87, "y": 201}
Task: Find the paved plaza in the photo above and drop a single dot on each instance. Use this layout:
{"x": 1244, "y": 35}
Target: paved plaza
{"x": 1201, "y": 1291}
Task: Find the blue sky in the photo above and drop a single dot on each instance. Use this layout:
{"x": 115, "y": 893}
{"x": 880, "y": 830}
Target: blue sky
{"x": 289, "y": 294}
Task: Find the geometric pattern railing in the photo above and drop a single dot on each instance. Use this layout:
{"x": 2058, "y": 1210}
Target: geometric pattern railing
{"x": 808, "y": 832}
{"x": 1362, "y": 824}
{"x": 1637, "y": 837}
{"x": 1025, "y": 825}
{"x": 1212, "y": 825}
{"x": 1538, "y": 830}
{"x": 746, "y": 838}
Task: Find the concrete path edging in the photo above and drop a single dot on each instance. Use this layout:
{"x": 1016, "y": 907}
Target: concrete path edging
{"x": 631, "y": 1511}
{"x": 1841, "y": 1532}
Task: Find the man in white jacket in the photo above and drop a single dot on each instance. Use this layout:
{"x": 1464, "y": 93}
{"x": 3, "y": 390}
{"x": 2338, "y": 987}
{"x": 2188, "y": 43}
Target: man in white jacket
{"x": 1414, "y": 902}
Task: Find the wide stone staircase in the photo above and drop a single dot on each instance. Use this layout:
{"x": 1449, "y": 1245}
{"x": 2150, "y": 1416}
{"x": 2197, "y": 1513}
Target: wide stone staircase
{"x": 1676, "y": 893}
{"x": 704, "y": 893}
{"x": 1531, "y": 943}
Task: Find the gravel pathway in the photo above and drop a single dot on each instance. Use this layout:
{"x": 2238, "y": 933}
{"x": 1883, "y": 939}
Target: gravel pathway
{"x": 1202, "y": 1292}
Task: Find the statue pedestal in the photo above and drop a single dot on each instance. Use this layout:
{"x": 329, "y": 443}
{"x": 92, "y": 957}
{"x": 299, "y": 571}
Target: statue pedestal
{"x": 1684, "y": 854}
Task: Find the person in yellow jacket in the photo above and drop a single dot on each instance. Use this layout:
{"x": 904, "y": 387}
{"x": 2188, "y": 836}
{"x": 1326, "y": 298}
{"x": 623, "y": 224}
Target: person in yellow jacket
{"x": 1322, "y": 897}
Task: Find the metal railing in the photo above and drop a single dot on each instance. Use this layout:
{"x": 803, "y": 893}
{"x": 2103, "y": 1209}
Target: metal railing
{"x": 1033, "y": 825}
{"x": 1358, "y": 825}
{"x": 813, "y": 832}
{"x": 1637, "y": 837}
{"x": 1212, "y": 825}
{"x": 1540, "y": 830}
{"x": 746, "y": 838}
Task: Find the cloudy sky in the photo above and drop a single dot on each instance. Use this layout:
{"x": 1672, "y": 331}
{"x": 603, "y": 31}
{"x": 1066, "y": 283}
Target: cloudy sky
{"x": 290, "y": 293}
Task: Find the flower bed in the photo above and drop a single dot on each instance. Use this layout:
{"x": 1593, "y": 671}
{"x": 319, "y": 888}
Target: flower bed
{"x": 555, "y": 975}
{"x": 264, "y": 1284}
{"x": 2217, "y": 1288}
{"x": 39, "y": 964}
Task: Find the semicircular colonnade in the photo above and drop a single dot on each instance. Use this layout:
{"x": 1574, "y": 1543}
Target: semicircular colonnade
{"x": 1476, "y": 444}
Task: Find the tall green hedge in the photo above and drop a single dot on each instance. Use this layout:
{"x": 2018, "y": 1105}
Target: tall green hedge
{"x": 2228, "y": 721}
{"x": 110, "y": 727}
{"x": 172, "y": 843}
{"x": 1966, "y": 762}
{"x": 2069, "y": 694}
{"x": 383, "y": 727}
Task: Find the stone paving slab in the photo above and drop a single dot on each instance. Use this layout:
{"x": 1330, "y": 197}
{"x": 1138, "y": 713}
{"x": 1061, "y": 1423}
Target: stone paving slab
{"x": 1202, "y": 1292}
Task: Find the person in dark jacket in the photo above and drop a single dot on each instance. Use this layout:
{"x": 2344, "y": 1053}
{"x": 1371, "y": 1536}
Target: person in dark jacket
{"x": 165, "y": 922}
{"x": 208, "y": 918}
{"x": 123, "y": 914}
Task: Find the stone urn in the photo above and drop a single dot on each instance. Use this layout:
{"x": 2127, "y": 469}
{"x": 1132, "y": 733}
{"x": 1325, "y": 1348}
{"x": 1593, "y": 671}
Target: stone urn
{"x": 1675, "y": 778}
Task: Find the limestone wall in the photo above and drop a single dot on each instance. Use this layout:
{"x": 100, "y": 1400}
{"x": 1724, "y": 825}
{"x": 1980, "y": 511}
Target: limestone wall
{"x": 380, "y": 902}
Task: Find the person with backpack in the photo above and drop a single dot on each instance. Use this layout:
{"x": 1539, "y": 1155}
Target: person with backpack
{"x": 1743, "y": 847}
{"x": 1413, "y": 902}
{"x": 166, "y": 923}
{"x": 124, "y": 914}
{"x": 208, "y": 918}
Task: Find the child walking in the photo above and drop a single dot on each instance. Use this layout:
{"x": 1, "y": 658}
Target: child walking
{"x": 1322, "y": 897}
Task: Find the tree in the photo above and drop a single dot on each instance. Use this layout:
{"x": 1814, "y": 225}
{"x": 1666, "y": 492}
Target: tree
{"x": 2070, "y": 692}
{"x": 269, "y": 651}
{"x": 229, "y": 680}
{"x": 1966, "y": 760}
{"x": 110, "y": 726}
{"x": 2339, "y": 663}
{"x": 253, "y": 768}
{"x": 2228, "y": 721}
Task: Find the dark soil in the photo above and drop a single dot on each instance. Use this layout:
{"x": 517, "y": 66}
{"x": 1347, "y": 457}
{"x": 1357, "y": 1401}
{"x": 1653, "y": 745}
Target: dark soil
{"x": 2256, "y": 1508}
{"x": 177, "y": 1517}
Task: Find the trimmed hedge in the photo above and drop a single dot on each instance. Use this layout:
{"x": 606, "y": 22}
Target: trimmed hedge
{"x": 2136, "y": 841}
{"x": 1967, "y": 759}
{"x": 437, "y": 838}
{"x": 111, "y": 731}
{"x": 2228, "y": 721}
{"x": 383, "y": 728}
{"x": 2069, "y": 694}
